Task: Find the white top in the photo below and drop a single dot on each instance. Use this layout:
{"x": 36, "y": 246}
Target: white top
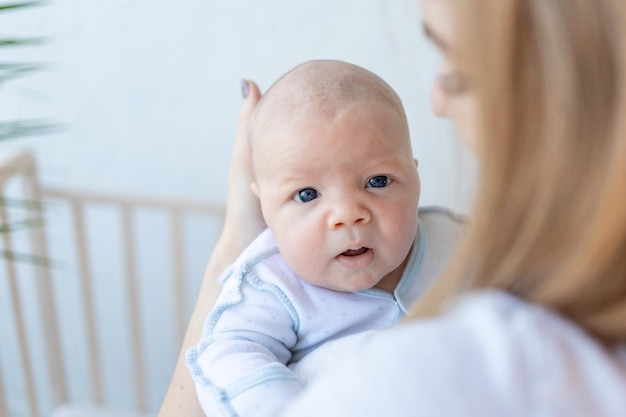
{"x": 492, "y": 354}
{"x": 266, "y": 318}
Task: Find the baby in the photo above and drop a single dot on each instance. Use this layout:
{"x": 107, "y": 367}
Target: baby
{"x": 344, "y": 251}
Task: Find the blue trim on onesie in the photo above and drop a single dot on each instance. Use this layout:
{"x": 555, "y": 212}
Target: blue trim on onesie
{"x": 412, "y": 268}
{"x": 264, "y": 374}
{"x": 244, "y": 272}
{"x": 220, "y": 395}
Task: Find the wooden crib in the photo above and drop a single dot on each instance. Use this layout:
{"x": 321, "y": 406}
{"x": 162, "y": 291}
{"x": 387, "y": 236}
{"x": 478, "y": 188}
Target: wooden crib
{"x": 57, "y": 320}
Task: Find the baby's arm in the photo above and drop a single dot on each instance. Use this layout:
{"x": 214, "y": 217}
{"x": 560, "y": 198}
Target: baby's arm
{"x": 239, "y": 365}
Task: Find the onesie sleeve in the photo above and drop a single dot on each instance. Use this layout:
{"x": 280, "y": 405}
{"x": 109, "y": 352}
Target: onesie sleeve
{"x": 239, "y": 366}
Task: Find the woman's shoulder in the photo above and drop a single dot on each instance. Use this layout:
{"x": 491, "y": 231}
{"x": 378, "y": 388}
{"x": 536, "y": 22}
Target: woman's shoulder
{"x": 523, "y": 354}
{"x": 489, "y": 354}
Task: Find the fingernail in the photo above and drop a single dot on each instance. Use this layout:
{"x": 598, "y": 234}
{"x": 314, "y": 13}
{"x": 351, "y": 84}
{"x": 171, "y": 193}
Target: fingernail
{"x": 245, "y": 89}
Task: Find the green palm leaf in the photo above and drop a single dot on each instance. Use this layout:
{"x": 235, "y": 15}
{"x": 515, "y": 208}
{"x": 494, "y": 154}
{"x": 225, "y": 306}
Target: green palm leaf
{"x": 26, "y": 258}
{"x": 11, "y": 6}
{"x": 20, "y": 42}
{"x": 12, "y": 130}
{"x": 22, "y": 224}
{"x": 20, "y": 128}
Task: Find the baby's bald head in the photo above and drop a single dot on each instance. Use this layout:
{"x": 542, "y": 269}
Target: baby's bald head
{"x": 319, "y": 88}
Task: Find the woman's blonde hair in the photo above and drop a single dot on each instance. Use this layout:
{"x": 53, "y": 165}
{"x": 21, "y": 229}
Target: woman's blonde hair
{"x": 549, "y": 225}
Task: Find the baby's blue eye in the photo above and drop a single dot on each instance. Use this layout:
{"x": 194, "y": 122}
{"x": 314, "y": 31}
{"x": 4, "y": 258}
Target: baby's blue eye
{"x": 379, "y": 181}
{"x": 306, "y": 195}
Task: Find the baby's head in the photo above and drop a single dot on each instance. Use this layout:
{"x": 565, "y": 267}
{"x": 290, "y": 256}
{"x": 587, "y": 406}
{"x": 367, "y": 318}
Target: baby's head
{"x": 334, "y": 171}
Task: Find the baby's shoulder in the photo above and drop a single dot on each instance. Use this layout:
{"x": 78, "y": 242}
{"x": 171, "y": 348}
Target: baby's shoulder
{"x": 261, "y": 262}
{"x": 441, "y": 229}
{"x": 263, "y": 246}
{"x": 441, "y": 217}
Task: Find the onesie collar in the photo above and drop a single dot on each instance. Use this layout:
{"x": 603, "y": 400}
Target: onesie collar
{"x": 411, "y": 271}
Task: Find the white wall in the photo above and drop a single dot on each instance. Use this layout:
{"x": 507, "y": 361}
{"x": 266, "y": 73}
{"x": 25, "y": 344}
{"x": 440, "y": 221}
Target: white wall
{"x": 148, "y": 90}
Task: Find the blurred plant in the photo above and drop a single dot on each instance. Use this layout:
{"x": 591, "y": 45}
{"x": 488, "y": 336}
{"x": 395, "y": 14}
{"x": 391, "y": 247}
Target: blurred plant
{"x": 14, "y": 129}
{"x": 11, "y": 70}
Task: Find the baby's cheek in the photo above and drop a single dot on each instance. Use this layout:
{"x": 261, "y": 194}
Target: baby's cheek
{"x": 302, "y": 259}
{"x": 403, "y": 220}
{"x": 402, "y": 231}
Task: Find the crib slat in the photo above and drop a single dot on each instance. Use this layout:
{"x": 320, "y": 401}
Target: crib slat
{"x": 179, "y": 274}
{"x": 19, "y": 323}
{"x": 4, "y": 411}
{"x": 45, "y": 294}
{"x": 87, "y": 297}
{"x": 133, "y": 303}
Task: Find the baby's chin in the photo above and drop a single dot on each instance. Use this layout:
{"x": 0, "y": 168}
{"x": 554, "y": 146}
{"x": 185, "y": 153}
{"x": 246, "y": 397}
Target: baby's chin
{"x": 350, "y": 286}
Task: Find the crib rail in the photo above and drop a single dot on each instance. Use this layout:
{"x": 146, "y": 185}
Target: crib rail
{"x": 23, "y": 166}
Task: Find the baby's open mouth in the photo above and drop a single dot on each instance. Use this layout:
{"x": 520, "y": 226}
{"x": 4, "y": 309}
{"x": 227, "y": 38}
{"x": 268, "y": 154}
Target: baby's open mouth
{"x": 356, "y": 259}
{"x": 355, "y": 252}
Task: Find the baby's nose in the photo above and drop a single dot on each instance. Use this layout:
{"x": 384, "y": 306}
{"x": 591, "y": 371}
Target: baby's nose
{"x": 348, "y": 214}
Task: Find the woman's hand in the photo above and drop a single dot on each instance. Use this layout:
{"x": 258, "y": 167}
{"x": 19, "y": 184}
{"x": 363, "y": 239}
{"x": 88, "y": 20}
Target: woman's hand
{"x": 243, "y": 221}
{"x": 242, "y": 224}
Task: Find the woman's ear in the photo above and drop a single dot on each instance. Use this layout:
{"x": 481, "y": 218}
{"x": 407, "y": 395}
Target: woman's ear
{"x": 416, "y": 163}
{"x": 255, "y": 189}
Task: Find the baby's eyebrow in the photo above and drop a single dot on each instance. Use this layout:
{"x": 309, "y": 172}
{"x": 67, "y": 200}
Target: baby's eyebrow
{"x": 294, "y": 181}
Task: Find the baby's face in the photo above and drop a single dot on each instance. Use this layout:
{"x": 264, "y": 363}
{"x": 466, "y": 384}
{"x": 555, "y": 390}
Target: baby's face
{"x": 340, "y": 192}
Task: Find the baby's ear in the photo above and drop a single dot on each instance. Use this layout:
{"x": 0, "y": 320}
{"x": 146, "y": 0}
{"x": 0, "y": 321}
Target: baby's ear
{"x": 255, "y": 189}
